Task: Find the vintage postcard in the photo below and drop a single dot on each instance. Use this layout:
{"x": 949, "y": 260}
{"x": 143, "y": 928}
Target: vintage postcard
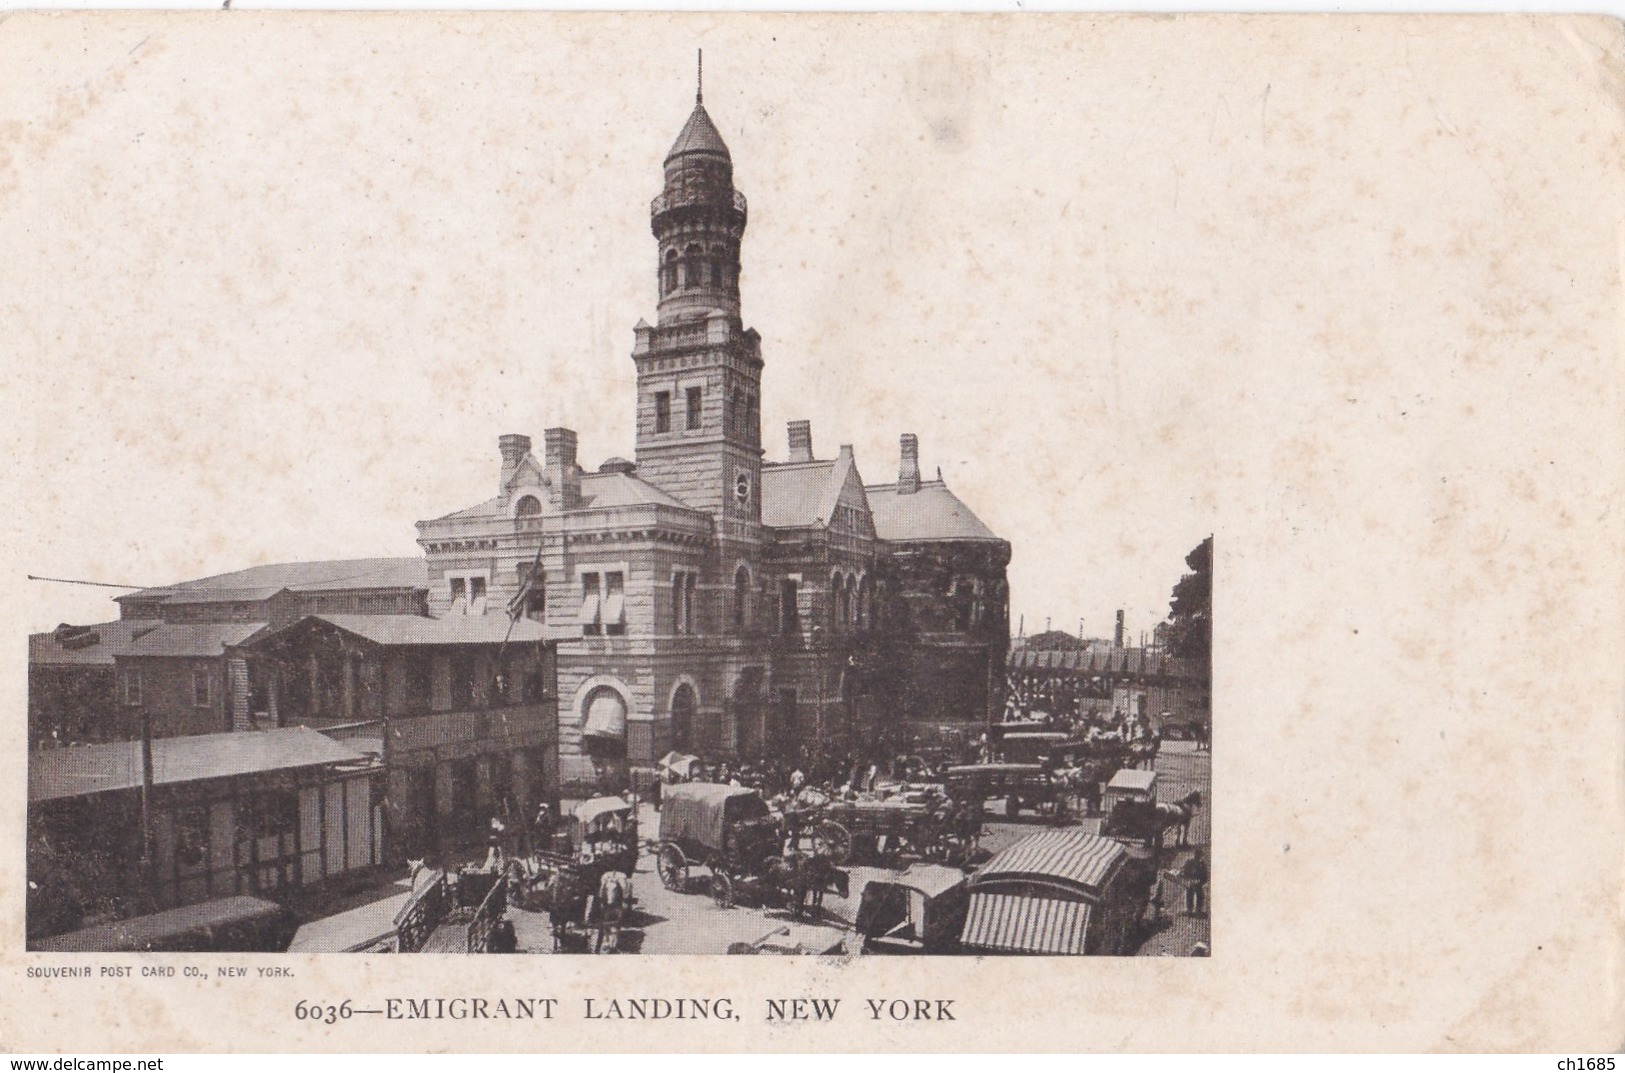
{"x": 813, "y": 532}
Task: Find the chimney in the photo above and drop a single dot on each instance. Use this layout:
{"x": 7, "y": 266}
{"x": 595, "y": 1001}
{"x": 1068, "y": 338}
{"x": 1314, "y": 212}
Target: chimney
{"x": 908, "y": 469}
{"x": 1117, "y": 638}
{"x": 514, "y": 448}
{"x": 801, "y": 441}
{"x": 559, "y": 455}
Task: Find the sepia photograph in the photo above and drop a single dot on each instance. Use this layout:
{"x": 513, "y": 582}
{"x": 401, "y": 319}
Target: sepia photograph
{"x": 733, "y": 690}
{"x": 966, "y": 532}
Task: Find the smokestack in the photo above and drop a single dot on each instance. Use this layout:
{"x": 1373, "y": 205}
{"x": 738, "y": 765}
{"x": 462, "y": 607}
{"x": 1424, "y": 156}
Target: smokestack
{"x": 514, "y": 448}
{"x": 908, "y": 467}
{"x": 559, "y": 457}
{"x": 1117, "y": 638}
{"x": 801, "y": 441}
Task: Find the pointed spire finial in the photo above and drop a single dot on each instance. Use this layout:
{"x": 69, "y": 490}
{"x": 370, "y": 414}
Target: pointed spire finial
{"x": 699, "y": 76}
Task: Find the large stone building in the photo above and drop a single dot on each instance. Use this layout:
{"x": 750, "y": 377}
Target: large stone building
{"x": 707, "y": 599}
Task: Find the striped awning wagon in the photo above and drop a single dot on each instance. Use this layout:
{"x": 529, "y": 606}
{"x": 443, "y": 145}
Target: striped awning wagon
{"x": 1022, "y": 924}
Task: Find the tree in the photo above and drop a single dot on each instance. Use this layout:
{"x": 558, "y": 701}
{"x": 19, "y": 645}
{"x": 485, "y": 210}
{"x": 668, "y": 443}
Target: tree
{"x": 1190, "y": 611}
{"x": 1054, "y": 641}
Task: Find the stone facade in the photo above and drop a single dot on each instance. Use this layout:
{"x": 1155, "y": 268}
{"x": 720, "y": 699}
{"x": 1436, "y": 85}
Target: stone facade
{"x": 707, "y": 600}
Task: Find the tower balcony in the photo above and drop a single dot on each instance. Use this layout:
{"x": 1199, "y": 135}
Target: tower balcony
{"x": 673, "y": 200}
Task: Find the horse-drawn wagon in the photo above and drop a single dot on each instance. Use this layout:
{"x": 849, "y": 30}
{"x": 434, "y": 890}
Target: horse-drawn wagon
{"x": 731, "y": 832}
{"x": 586, "y": 892}
{"x": 920, "y": 911}
{"x": 1064, "y": 891}
{"x": 1020, "y": 786}
{"x": 925, "y": 824}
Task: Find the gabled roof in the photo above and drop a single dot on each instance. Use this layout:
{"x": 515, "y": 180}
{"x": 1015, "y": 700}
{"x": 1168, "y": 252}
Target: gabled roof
{"x": 96, "y": 645}
{"x": 261, "y": 582}
{"x": 199, "y": 640}
{"x": 798, "y": 494}
{"x": 89, "y": 769}
{"x": 932, "y": 513}
{"x": 413, "y": 630}
{"x": 699, "y": 135}
{"x": 599, "y": 491}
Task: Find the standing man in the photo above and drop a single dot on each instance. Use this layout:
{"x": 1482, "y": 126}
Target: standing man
{"x": 541, "y": 829}
{"x": 1194, "y": 874}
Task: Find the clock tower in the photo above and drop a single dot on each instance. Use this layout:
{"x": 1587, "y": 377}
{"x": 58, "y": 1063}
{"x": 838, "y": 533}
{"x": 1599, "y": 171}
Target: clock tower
{"x": 699, "y": 370}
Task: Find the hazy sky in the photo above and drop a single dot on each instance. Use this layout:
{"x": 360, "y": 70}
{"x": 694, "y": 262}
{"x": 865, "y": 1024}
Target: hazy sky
{"x": 269, "y": 331}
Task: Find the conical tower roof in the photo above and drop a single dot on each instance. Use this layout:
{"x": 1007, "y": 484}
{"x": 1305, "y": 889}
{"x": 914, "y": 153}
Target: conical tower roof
{"x": 699, "y": 135}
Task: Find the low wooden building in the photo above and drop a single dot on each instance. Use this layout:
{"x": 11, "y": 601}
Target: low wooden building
{"x": 256, "y": 813}
{"x": 466, "y": 706}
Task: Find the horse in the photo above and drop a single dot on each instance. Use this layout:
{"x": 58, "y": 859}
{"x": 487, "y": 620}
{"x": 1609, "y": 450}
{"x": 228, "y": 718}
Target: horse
{"x": 1178, "y": 816}
{"x": 1143, "y": 751}
{"x": 565, "y": 901}
{"x": 605, "y": 910}
{"x": 804, "y": 879}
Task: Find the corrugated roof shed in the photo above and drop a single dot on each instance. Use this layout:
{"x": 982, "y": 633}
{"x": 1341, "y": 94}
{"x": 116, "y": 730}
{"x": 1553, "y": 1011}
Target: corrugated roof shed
{"x": 932, "y": 513}
{"x": 89, "y": 769}
{"x": 300, "y": 577}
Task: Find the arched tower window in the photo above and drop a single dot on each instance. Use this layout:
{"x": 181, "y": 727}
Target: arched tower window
{"x": 739, "y": 413}
{"x": 851, "y": 600}
{"x": 527, "y": 507}
{"x": 691, "y": 266}
{"x": 741, "y": 599}
{"x": 837, "y": 602}
{"x": 668, "y": 273}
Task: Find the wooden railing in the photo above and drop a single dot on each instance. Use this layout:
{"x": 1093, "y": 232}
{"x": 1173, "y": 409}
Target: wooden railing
{"x": 421, "y": 914}
{"x": 486, "y": 917}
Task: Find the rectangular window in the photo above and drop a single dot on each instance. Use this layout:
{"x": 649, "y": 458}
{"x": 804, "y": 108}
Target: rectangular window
{"x": 532, "y": 602}
{"x": 459, "y": 596}
{"x": 693, "y": 408}
{"x": 462, "y": 681}
{"x": 789, "y": 618}
{"x": 683, "y": 585}
{"x": 615, "y": 604}
{"x": 419, "y": 683}
{"x": 476, "y": 596}
{"x": 662, "y": 411}
{"x": 200, "y": 689}
{"x": 591, "y": 611}
{"x": 132, "y": 686}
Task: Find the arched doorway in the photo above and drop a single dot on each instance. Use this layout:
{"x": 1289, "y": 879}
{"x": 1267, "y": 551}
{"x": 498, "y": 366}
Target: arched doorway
{"x": 685, "y": 708}
{"x": 749, "y": 715}
{"x": 603, "y": 736}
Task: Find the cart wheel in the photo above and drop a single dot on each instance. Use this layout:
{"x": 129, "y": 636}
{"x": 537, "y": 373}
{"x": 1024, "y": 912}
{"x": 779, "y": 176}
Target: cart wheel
{"x": 834, "y": 840}
{"x": 722, "y": 890}
{"x": 672, "y": 866}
